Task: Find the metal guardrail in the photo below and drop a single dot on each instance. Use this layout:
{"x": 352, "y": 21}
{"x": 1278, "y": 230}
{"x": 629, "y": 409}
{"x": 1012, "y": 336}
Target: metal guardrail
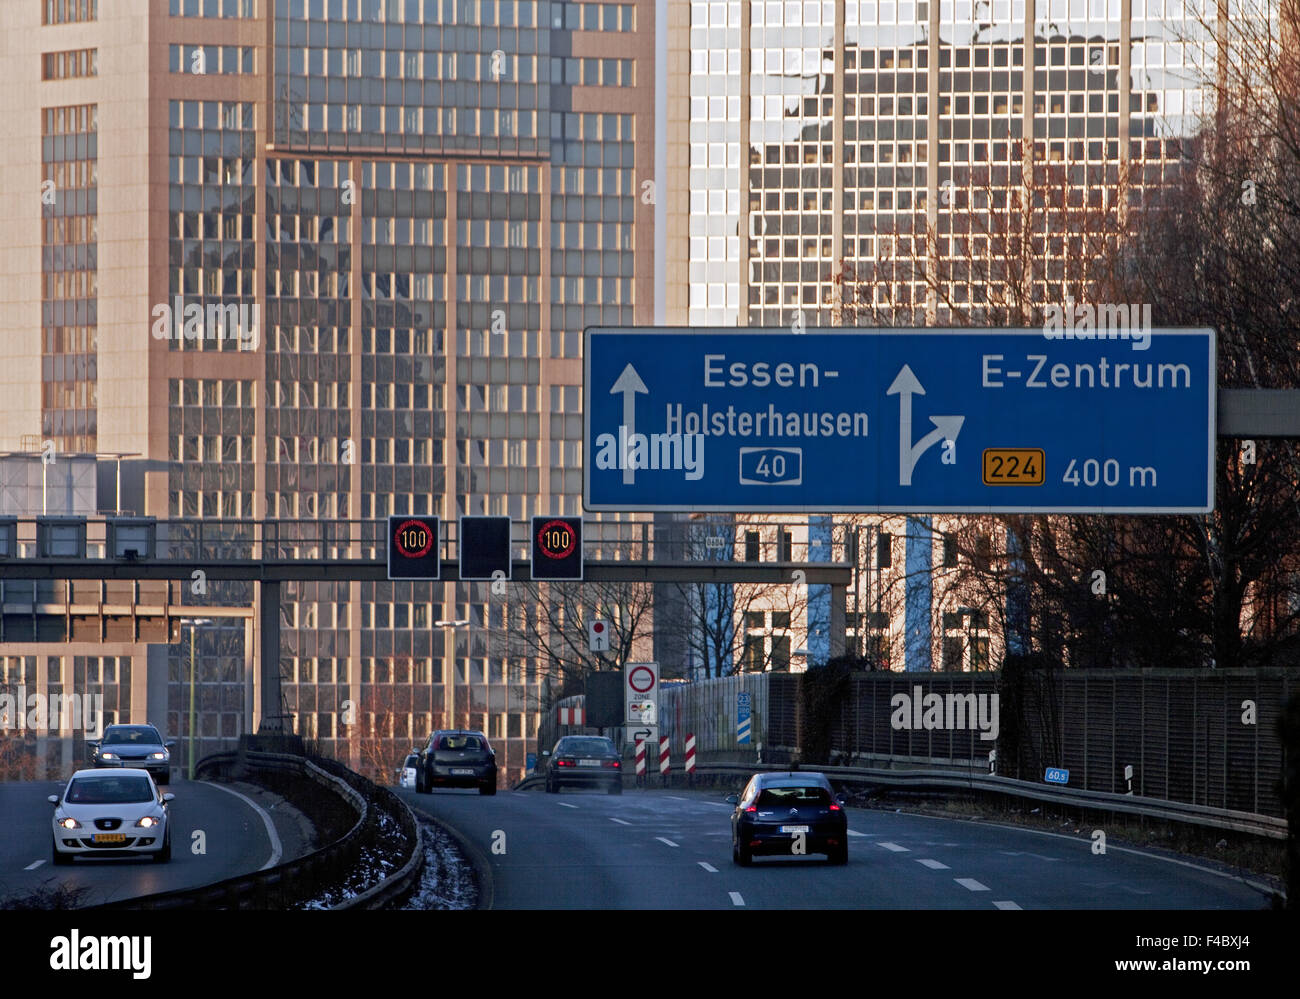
{"x": 920, "y": 780}
{"x": 263, "y": 889}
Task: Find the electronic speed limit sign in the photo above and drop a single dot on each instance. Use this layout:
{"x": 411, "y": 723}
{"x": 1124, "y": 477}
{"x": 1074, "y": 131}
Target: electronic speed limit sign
{"x": 413, "y": 550}
{"x": 557, "y": 548}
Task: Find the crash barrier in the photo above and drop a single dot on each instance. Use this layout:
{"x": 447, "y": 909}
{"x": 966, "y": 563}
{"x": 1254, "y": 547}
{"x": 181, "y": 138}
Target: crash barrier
{"x": 1200, "y": 737}
{"x": 290, "y": 882}
{"x": 1099, "y": 802}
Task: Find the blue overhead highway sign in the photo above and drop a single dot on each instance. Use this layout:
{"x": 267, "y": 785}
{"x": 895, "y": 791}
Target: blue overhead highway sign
{"x": 899, "y": 421}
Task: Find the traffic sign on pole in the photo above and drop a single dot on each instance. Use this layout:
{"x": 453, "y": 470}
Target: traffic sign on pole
{"x": 742, "y": 718}
{"x": 641, "y": 693}
{"x": 598, "y": 636}
{"x": 901, "y": 421}
{"x": 413, "y": 549}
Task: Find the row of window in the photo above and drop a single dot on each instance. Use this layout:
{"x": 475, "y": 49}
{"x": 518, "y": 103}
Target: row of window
{"x": 200, "y": 60}
{"x": 70, "y": 65}
{"x": 69, "y": 11}
{"x": 392, "y": 119}
{"x": 585, "y": 72}
{"x": 78, "y": 119}
{"x": 212, "y": 8}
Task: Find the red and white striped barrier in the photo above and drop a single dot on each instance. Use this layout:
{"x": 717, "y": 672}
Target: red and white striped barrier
{"x": 690, "y": 754}
{"x": 572, "y": 716}
{"x": 663, "y": 755}
{"x": 640, "y": 757}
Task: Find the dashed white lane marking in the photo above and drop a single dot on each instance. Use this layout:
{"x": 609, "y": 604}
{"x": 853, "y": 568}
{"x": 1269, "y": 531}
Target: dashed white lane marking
{"x": 33, "y": 865}
{"x": 934, "y": 865}
{"x": 1021, "y": 853}
{"x": 565, "y": 804}
{"x": 708, "y": 867}
{"x": 676, "y": 798}
{"x": 894, "y": 847}
{"x": 621, "y": 822}
{"x": 854, "y": 832}
{"x": 664, "y": 839}
{"x": 1006, "y": 905}
{"x": 735, "y": 898}
{"x": 971, "y": 884}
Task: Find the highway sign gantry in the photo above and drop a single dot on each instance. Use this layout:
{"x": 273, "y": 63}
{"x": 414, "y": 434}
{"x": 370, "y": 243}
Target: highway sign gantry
{"x": 899, "y": 421}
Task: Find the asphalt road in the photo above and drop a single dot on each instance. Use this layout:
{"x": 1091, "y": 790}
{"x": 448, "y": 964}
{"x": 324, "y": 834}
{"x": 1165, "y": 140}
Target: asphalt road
{"x": 672, "y": 850}
{"x": 235, "y": 841}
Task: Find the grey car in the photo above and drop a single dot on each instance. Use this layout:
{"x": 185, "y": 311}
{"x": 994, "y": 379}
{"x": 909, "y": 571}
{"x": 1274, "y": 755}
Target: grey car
{"x": 139, "y": 746}
{"x": 584, "y": 761}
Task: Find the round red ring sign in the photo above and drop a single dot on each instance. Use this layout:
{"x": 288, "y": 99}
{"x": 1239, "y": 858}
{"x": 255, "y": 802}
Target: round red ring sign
{"x": 635, "y": 682}
{"x": 413, "y": 552}
{"x": 559, "y": 525}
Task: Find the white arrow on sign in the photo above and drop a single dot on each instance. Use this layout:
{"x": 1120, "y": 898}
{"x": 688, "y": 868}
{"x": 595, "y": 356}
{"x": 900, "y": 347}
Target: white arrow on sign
{"x": 629, "y": 383}
{"x": 946, "y": 427}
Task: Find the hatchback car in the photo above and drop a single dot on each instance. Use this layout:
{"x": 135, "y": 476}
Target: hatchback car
{"x": 584, "y": 761}
{"x": 789, "y": 814}
{"x": 139, "y": 746}
{"x": 102, "y": 814}
{"x": 457, "y": 759}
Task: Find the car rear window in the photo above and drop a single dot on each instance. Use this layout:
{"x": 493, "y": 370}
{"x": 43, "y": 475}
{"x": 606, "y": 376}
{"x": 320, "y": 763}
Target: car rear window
{"x": 794, "y": 796}
{"x": 460, "y": 742}
{"x": 109, "y": 790}
{"x": 594, "y": 746}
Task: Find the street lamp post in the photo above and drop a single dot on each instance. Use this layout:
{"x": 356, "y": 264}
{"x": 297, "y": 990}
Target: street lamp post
{"x": 193, "y": 623}
{"x": 451, "y": 671}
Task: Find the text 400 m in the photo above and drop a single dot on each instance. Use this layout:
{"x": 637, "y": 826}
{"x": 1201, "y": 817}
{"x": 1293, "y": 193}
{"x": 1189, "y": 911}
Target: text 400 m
{"x": 1091, "y": 472}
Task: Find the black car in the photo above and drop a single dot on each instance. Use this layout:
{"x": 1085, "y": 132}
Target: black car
{"x": 789, "y": 814}
{"x": 139, "y": 746}
{"x": 584, "y": 761}
{"x": 457, "y": 759}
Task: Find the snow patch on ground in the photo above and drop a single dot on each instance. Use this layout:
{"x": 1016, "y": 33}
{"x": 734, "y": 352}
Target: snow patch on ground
{"x": 447, "y": 881}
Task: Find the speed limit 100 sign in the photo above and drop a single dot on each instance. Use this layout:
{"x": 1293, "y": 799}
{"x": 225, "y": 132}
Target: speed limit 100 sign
{"x": 413, "y": 549}
{"x": 557, "y": 548}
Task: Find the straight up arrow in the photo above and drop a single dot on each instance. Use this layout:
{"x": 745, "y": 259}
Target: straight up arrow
{"x": 629, "y": 383}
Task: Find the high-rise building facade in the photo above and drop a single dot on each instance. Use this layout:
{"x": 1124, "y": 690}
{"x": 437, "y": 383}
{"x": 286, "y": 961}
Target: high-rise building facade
{"x": 327, "y": 260}
{"x": 856, "y": 162}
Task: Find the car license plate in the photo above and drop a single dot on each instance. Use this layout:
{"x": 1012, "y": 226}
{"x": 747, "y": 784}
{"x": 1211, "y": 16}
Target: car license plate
{"x": 589, "y": 763}
{"x": 462, "y": 772}
{"x": 110, "y": 837}
{"x": 794, "y": 829}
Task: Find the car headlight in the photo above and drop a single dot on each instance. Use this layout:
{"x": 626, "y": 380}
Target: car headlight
{"x": 158, "y": 756}
{"x": 108, "y": 756}
{"x": 149, "y": 822}
{"x": 68, "y": 822}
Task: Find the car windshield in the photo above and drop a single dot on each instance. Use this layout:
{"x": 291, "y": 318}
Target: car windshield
{"x": 794, "y": 796}
{"x": 136, "y": 734}
{"x": 460, "y": 742}
{"x": 113, "y": 790}
{"x": 586, "y": 747}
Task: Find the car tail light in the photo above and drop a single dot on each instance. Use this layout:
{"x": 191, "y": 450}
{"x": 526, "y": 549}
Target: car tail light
{"x": 835, "y": 807}
{"x": 752, "y": 808}
{"x": 564, "y": 763}
{"x": 613, "y": 763}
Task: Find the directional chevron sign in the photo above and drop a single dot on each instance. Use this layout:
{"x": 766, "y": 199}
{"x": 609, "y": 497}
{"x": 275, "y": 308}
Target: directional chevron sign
{"x": 899, "y": 421}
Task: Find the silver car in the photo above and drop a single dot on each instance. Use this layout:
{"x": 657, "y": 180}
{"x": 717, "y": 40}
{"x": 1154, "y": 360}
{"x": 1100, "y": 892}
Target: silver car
{"x": 107, "y": 812}
{"x": 134, "y": 746}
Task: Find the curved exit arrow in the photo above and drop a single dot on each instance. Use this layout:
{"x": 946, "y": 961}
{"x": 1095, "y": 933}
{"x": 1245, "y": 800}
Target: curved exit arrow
{"x": 906, "y": 385}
